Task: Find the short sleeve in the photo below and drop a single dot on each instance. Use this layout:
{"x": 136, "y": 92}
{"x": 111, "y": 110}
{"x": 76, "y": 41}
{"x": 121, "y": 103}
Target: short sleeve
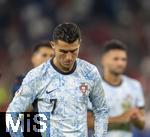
{"x": 140, "y": 102}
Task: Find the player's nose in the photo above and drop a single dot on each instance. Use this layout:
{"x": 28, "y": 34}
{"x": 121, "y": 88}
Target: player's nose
{"x": 69, "y": 56}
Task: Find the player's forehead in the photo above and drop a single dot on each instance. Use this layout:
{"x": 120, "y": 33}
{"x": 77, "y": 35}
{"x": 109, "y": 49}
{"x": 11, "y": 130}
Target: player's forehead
{"x": 116, "y": 53}
{"x": 45, "y": 50}
{"x": 67, "y": 46}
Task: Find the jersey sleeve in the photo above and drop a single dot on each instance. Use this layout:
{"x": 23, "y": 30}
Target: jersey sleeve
{"x": 100, "y": 108}
{"x": 22, "y": 99}
{"x": 140, "y": 102}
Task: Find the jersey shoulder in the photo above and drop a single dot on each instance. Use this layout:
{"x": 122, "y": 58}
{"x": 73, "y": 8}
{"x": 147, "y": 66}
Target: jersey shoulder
{"x": 38, "y": 72}
{"x": 132, "y": 82}
{"x": 87, "y": 69}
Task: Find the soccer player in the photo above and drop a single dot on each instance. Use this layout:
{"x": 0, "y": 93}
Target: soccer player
{"x": 63, "y": 86}
{"x": 123, "y": 94}
{"x": 41, "y": 53}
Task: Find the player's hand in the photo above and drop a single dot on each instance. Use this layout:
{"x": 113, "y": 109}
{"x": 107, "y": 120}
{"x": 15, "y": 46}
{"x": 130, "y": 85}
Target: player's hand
{"x": 123, "y": 118}
{"x": 136, "y": 116}
{"x": 126, "y": 116}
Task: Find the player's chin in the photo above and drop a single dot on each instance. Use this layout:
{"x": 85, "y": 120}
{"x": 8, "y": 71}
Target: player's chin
{"x": 119, "y": 72}
{"x": 67, "y": 65}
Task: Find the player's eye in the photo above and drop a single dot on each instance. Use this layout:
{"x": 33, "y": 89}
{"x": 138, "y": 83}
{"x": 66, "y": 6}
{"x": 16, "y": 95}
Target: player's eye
{"x": 66, "y": 51}
{"x": 116, "y": 59}
{"x": 44, "y": 55}
{"x": 73, "y": 51}
{"x": 124, "y": 59}
{"x": 63, "y": 51}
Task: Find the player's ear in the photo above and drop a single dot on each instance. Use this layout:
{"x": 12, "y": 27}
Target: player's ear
{"x": 52, "y": 44}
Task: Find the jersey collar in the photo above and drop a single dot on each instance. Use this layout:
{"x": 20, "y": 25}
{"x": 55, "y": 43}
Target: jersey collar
{"x": 62, "y": 72}
{"x": 113, "y": 85}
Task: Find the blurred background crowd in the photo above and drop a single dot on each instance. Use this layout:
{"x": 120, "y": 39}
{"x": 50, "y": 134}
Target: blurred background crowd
{"x": 23, "y": 23}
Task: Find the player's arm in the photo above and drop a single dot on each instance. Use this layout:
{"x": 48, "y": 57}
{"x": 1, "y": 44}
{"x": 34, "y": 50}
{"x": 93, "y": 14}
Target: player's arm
{"x": 100, "y": 108}
{"x": 138, "y": 119}
{"x": 23, "y": 98}
{"x": 122, "y": 118}
{"x": 135, "y": 115}
{"x": 90, "y": 119}
{"x": 121, "y": 121}
{"x": 117, "y": 122}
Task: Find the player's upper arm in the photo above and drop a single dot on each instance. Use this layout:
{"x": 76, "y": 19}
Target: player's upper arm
{"x": 140, "y": 102}
{"x": 99, "y": 106}
{"x": 25, "y": 94}
{"x": 97, "y": 95}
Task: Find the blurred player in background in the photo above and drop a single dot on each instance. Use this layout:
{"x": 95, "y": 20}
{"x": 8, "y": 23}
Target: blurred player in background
{"x": 41, "y": 53}
{"x": 124, "y": 95}
{"x": 62, "y": 86}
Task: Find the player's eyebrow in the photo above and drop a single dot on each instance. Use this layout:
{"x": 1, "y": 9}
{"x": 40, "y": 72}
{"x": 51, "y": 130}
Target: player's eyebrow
{"x": 65, "y": 51}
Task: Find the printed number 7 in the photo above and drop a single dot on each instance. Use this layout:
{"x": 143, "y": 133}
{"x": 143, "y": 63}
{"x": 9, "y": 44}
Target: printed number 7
{"x": 54, "y": 101}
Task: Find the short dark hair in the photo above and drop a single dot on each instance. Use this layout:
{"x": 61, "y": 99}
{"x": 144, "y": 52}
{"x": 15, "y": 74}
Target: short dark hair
{"x": 41, "y": 45}
{"x": 113, "y": 45}
{"x": 67, "y": 32}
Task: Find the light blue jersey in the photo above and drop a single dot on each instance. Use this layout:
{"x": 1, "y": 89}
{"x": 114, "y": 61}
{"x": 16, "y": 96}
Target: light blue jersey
{"x": 65, "y": 96}
{"x": 121, "y": 98}
{"x": 127, "y": 95}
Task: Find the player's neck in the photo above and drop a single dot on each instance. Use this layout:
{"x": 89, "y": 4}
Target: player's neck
{"x": 114, "y": 80}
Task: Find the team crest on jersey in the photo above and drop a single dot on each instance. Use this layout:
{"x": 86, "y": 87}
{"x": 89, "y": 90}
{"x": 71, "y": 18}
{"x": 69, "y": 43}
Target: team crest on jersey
{"x": 127, "y": 103}
{"x": 83, "y": 88}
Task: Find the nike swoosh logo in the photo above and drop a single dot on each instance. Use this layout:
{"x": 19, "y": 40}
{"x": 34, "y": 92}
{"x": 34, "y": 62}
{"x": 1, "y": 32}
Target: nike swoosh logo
{"x": 50, "y": 91}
